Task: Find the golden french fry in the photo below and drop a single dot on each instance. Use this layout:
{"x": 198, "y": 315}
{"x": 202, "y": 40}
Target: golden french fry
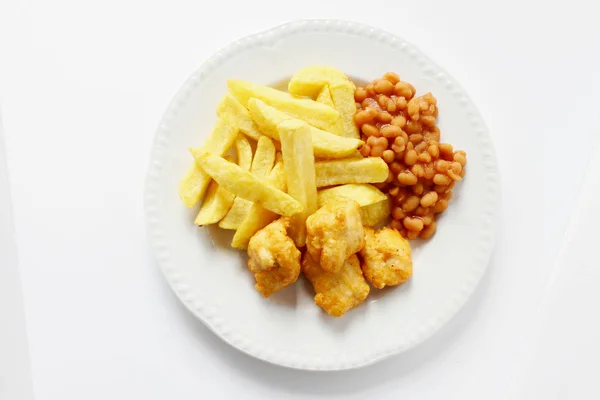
{"x": 375, "y": 206}
{"x": 310, "y": 80}
{"x": 316, "y": 114}
{"x": 230, "y": 105}
{"x": 340, "y": 172}
{"x": 325, "y": 144}
{"x": 244, "y": 152}
{"x": 325, "y": 97}
{"x": 258, "y": 217}
{"x": 261, "y": 166}
{"x": 299, "y": 166}
{"x": 215, "y": 205}
{"x": 247, "y": 186}
{"x": 195, "y": 181}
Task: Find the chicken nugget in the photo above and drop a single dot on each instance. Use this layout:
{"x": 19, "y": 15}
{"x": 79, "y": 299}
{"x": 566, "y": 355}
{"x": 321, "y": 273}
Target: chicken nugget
{"x": 386, "y": 258}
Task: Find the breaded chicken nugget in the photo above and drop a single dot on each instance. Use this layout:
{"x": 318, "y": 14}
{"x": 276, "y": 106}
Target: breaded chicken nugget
{"x": 334, "y": 233}
{"x": 338, "y": 292}
{"x": 273, "y": 258}
{"x": 386, "y": 258}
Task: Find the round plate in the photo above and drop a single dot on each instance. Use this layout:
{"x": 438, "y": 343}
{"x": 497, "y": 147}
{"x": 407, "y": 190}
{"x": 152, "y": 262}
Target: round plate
{"x": 288, "y": 329}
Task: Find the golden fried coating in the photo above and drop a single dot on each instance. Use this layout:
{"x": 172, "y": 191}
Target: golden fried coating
{"x": 338, "y": 292}
{"x": 386, "y": 258}
{"x": 334, "y": 233}
{"x": 273, "y": 258}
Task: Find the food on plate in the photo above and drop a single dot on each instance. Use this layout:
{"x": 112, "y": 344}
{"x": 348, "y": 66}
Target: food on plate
{"x": 374, "y": 205}
{"x": 299, "y": 167}
{"x": 215, "y": 205}
{"x": 401, "y": 129}
{"x": 273, "y": 258}
{"x": 309, "y": 81}
{"x": 258, "y": 217}
{"x": 386, "y": 259}
{"x": 350, "y": 157}
{"x": 260, "y": 167}
{"x": 325, "y": 144}
{"x": 338, "y": 292}
{"x": 351, "y": 170}
{"x": 316, "y": 114}
{"x": 334, "y": 233}
{"x": 247, "y": 186}
{"x": 194, "y": 183}
{"x": 242, "y": 117}
{"x": 325, "y": 97}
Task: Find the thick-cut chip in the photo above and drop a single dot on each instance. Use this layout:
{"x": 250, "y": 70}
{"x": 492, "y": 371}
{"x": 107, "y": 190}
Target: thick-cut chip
{"x": 336, "y": 292}
{"x": 325, "y": 144}
{"x": 325, "y": 97}
{"x": 258, "y": 217}
{"x": 216, "y": 204}
{"x": 310, "y": 80}
{"x": 195, "y": 181}
{"x": 230, "y": 105}
{"x": 375, "y": 206}
{"x": 244, "y": 152}
{"x": 316, "y": 114}
{"x": 340, "y": 172}
{"x": 247, "y": 186}
{"x": 260, "y": 167}
{"x": 299, "y": 166}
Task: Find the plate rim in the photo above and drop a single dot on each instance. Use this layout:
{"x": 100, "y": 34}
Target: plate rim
{"x": 204, "y": 312}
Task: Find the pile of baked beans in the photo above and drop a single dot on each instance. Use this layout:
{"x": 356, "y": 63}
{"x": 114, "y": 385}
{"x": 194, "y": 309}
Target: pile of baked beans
{"x": 400, "y": 128}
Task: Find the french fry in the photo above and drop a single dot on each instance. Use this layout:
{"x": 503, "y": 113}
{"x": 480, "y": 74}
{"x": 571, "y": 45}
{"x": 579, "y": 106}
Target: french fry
{"x": 260, "y": 167}
{"x": 375, "y": 206}
{"x": 325, "y": 144}
{"x": 216, "y": 204}
{"x": 325, "y": 97}
{"x": 310, "y": 80}
{"x": 316, "y": 114}
{"x": 258, "y": 217}
{"x": 247, "y": 186}
{"x": 340, "y": 172}
{"x": 230, "y": 105}
{"x": 193, "y": 185}
{"x": 244, "y": 152}
{"x": 299, "y": 167}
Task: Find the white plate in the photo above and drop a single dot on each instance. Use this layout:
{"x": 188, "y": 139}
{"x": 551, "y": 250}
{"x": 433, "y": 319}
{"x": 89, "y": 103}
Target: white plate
{"x": 288, "y": 329}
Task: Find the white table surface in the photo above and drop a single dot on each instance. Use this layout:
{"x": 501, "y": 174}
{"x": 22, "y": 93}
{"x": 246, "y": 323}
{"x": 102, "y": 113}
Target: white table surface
{"x": 83, "y": 86}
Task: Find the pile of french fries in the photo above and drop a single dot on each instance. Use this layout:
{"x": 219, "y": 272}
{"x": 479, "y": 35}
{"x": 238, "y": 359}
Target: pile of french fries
{"x": 293, "y": 153}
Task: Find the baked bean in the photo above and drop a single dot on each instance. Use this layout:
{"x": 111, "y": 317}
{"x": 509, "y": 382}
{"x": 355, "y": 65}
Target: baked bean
{"x": 413, "y": 127}
{"x": 412, "y": 235}
{"x": 360, "y": 94}
{"x": 428, "y": 218}
{"x": 388, "y": 156}
{"x": 407, "y": 178}
{"x": 372, "y": 141}
{"x": 369, "y": 102}
{"x": 418, "y": 170}
{"x": 427, "y": 120}
{"x": 410, "y": 203}
{"x": 384, "y": 86}
{"x": 433, "y": 150}
{"x": 370, "y": 130}
{"x": 394, "y": 191}
{"x": 429, "y": 199}
{"x": 384, "y": 117}
{"x": 358, "y": 106}
{"x": 403, "y": 89}
{"x": 390, "y": 178}
{"x": 460, "y": 158}
{"x": 370, "y": 90}
{"x": 440, "y": 179}
{"x": 365, "y": 151}
{"x": 428, "y": 231}
{"x": 421, "y": 147}
{"x": 401, "y": 103}
{"x": 416, "y": 138}
{"x": 383, "y": 100}
{"x": 424, "y": 157}
{"x": 418, "y": 188}
{"x": 422, "y": 211}
{"x": 377, "y": 151}
{"x": 429, "y": 172}
{"x": 392, "y": 77}
{"x": 447, "y": 195}
{"x": 362, "y": 117}
{"x": 413, "y": 224}
{"x": 440, "y": 206}
{"x": 446, "y": 151}
{"x": 396, "y": 167}
{"x": 442, "y": 165}
{"x": 440, "y": 188}
{"x": 399, "y": 121}
{"x": 410, "y": 158}
{"x": 462, "y": 173}
{"x": 391, "y": 106}
{"x": 397, "y": 213}
{"x": 454, "y": 176}
{"x": 383, "y": 142}
{"x": 390, "y": 131}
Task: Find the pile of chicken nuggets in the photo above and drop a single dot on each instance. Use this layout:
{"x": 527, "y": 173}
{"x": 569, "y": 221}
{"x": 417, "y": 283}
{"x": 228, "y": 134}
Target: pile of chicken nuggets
{"x": 283, "y": 170}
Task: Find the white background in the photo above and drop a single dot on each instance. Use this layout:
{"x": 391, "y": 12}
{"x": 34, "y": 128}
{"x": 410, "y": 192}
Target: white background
{"x": 83, "y": 85}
